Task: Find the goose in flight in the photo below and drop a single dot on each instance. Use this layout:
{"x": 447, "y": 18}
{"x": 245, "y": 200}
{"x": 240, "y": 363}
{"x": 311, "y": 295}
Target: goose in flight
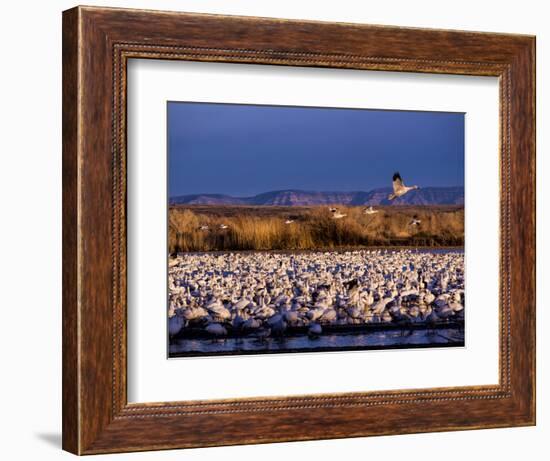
{"x": 399, "y": 189}
{"x": 415, "y": 222}
{"x": 289, "y": 221}
{"x": 336, "y": 214}
{"x": 223, "y": 226}
{"x": 203, "y": 228}
{"x": 370, "y": 210}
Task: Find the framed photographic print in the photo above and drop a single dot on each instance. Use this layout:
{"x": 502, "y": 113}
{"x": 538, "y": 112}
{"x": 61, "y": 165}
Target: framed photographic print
{"x": 284, "y": 230}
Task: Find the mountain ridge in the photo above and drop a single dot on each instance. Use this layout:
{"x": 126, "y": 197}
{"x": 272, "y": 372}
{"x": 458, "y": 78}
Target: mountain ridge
{"x": 295, "y": 197}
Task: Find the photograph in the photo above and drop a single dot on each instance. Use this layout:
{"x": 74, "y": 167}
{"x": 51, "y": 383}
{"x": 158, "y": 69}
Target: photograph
{"x": 313, "y": 229}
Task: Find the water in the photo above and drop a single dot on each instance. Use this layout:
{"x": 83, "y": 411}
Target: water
{"x": 389, "y": 339}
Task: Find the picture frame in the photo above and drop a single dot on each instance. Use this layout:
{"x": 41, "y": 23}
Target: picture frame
{"x": 97, "y": 44}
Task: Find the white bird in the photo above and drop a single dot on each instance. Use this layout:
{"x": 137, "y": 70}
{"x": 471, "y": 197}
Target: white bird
{"x": 216, "y": 329}
{"x": 336, "y": 214}
{"x": 203, "y": 228}
{"x": 195, "y": 313}
{"x": 399, "y": 188}
{"x": 329, "y": 316}
{"x": 370, "y": 210}
{"x": 379, "y": 307}
{"x": 218, "y": 310}
{"x": 173, "y": 262}
{"x": 415, "y": 222}
{"x": 241, "y": 304}
{"x": 291, "y": 317}
{"x": 224, "y": 226}
{"x": 176, "y": 323}
{"x": 315, "y": 329}
{"x": 251, "y": 324}
{"x": 289, "y": 221}
{"x": 316, "y": 313}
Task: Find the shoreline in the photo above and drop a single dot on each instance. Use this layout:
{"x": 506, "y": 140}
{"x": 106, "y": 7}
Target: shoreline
{"x": 326, "y": 250}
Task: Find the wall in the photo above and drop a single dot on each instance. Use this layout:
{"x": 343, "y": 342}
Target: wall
{"x": 30, "y": 247}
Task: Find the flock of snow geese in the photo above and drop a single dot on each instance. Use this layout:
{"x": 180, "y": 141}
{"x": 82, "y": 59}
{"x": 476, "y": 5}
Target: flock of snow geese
{"x": 265, "y": 294}
{"x": 399, "y": 189}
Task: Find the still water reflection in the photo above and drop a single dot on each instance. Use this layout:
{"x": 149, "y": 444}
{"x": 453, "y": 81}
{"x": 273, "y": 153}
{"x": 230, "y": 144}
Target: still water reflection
{"x": 337, "y": 341}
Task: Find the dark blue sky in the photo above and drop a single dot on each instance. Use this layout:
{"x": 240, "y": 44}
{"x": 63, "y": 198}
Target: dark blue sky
{"x": 244, "y": 150}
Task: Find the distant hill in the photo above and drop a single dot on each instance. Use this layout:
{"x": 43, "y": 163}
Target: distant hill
{"x": 424, "y": 196}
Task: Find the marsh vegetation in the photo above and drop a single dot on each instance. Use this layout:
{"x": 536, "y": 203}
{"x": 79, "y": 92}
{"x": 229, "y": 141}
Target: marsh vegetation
{"x": 196, "y": 228}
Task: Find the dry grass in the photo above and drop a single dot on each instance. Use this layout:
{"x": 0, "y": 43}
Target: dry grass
{"x": 264, "y": 228}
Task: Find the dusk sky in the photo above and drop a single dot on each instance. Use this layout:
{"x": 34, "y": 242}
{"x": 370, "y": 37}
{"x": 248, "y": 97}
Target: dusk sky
{"x": 243, "y": 150}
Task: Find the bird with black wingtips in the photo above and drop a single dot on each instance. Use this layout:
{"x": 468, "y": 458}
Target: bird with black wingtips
{"x": 337, "y": 214}
{"x": 399, "y": 188}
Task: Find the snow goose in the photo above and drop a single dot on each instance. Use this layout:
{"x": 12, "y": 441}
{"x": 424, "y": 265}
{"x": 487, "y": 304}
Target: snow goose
{"x": 176, "y": 323}
{"x": 216, "y": 329}
{"x": 315, "y": 329}
{"x": 336, "y": 214}
{"x": 399, "y": 188}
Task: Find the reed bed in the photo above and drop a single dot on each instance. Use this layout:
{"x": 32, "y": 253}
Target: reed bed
{"x": 313, "y": 228}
